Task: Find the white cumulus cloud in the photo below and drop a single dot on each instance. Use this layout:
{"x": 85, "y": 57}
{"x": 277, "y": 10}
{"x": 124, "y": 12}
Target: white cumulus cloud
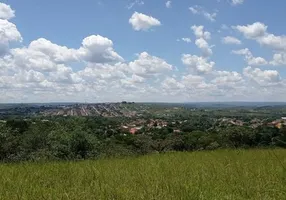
{"x": 57, "y": 53}
{"x": 147, "y": 65}
{"x": 143, "y": 22}
{"x": 258, "y": 32}
{"x": 200, "y": 33}
{"x": 262, "y": 77}
{"x": 197, "y": 64}
{"x": 279, "y": 59}
{"x": 227, "y": 79}
{"x": 277, "y": 43}
{"x": 6, "y": 11}
{"x": 171, "y": 84}
{"x": 8, "y": 33}
{"x": 201, "y": 41}
{"x": 252, "y": 31}
{"x": 250, "y": 59}
{"x": 204, "y": 46}
{"x": 99, "y": 49}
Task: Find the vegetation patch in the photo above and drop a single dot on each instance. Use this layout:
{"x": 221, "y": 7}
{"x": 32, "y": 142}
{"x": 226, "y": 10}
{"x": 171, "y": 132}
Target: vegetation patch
{"x": 221, "y": 174}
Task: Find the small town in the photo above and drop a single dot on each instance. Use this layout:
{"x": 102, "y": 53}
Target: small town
{"x": 136, "y": 115}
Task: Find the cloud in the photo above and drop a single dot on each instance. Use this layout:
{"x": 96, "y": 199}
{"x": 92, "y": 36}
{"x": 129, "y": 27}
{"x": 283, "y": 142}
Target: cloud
{"x": 187, "y": 86}
{"x": 279, "y": 59}
{"x": 98, "y": 49}
{"x": 171, "y": 84}
{"x": 252, "y": 31}
{"x": 198, "y": 10}
{"x": 147, "y": 65}
{"x": 230, "y": 40}
{"x": 224, "y": 27}
{"x": 57, "y": 53}
{"x": 97, "y": 72}
{"x": 237, "y": 2}
{"x": 227, "y": 79}
{"x": 8, "y": 33}
{"x": 262, "y": 77}
{"x": 43, "y": 68}
{"x": 204, "y": 46}
{"x": 193, "y": 81}
{"x": 6, "y": 12}
{"x": 64, "y": 75}
{"x": 224, "y": 84}
{"x": 274, "y": 42}
{"x": 250, "y": 59}
{"x": 136, "y": 2}
{"x": 200, "y": 33}
{"x": 142, "y": 22}
{"x": 137, "y": 79}
{"x": 29, "y": 76}
{"x": 197, "y": 64}
{"x": 197, "y": 88}
{"x": 168, "y": 4}
{"x": 187, "y": 40}
{"x": 29, "y": 59}
{"x": 43, "y": 55}
{"x": 201, "y": 40}
{"x": 46, "y": 71}
{"x": 257, "y": 61}
{"x": 258, "y": 32}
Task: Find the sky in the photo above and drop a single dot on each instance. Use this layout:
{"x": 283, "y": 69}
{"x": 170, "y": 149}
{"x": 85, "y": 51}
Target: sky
{"x": 142, "y": 51}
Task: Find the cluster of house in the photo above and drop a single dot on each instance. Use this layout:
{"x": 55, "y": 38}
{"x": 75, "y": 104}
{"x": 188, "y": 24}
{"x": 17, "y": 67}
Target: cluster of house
{"x": 232, "y": 121}
{"x": 97, "y": 109}
{"x": 256, "y": 122}
{"x": 158, "y": 123}
{"x": 137, "y": 125}
{"x": 278, "y": 123}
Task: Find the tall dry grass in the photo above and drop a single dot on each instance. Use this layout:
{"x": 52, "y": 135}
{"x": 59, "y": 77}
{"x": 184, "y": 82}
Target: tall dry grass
{"x": 223, "y": 174}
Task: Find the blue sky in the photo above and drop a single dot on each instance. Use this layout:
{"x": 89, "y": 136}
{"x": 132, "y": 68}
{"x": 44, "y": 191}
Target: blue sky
{"x": 241, "y": 54}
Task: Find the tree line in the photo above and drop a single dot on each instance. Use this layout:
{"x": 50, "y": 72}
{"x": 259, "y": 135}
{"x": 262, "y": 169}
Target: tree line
{"x": 75, "y": 138}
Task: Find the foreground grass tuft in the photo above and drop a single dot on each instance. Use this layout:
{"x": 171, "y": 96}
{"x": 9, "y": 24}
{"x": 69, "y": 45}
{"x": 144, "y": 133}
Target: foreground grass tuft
{"x": 223, "y": 174}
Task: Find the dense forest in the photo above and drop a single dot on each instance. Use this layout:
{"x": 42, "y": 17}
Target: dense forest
{"x": 74, "y": 138}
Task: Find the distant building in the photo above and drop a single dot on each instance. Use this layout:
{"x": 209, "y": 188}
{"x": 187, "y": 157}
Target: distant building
{"x": 278, "y": 123}
{"x": 134, "y": 130}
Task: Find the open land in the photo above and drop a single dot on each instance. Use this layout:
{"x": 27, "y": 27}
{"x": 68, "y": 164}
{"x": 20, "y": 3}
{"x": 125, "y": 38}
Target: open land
{"x": 222, "y": 174}
{"x": 132, "y": 150}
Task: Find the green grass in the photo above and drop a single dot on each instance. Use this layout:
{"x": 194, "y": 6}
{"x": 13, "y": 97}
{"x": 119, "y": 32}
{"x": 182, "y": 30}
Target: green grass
{"x": 223, "y": 174}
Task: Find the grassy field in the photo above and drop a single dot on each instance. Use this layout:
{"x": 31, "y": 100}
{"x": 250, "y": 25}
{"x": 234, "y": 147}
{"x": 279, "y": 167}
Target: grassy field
{"x": 223, "y": 174}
